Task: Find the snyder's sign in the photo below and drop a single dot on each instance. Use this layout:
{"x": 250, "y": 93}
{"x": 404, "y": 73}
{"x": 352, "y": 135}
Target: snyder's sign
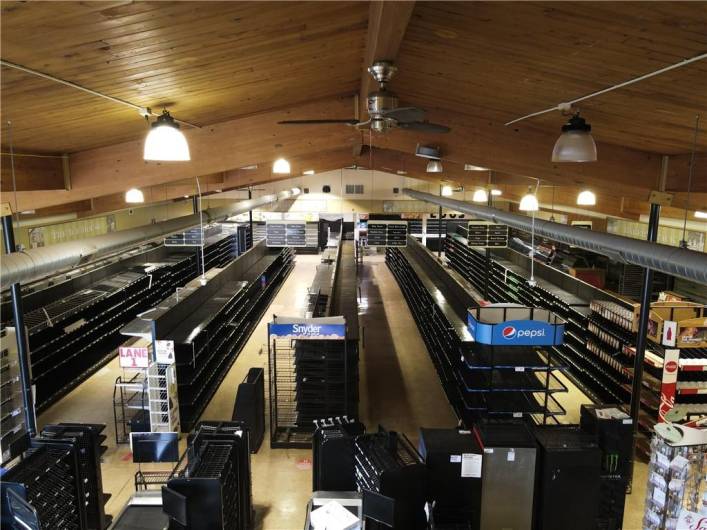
{"x": 307, "y": 330}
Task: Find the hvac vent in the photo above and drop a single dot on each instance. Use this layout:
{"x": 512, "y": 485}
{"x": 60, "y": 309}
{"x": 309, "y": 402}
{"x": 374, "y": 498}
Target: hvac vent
{"x": 306, "y": 190}
{"x": 396, "y": 190}
{"x": 326, "y": 188}
{"x": 354, "y": 189}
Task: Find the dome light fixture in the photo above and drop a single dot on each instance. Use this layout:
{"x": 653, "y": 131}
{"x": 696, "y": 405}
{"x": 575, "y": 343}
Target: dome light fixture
{"x": 134, "y": 195}
{"x": 480, "y": 195}
{"x": 434, "y": 166}
{"x": 447, "y": 191}
{"x": 586, "y": 198}
{"x": 281, "y": 167}
{"x": 575, "y": 144}
{"x": 496, "y": 192}
{"x": 529, "y": 203}
{"x": 165, "y": 142}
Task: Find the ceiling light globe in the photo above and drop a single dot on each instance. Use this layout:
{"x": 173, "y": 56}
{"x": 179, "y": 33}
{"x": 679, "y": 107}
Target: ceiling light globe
{"x": 165, "y": 142}
{"x": 576, "y": 143}
{"x": 586, "y": 198}
{"x": 434, "y": 166}
{"x": 529, "y": 203}
{"x": 496, "y": 192}
{"x": 134, "y": 195}
{"x": 281, "y": 167}
{"x": 480, "y": 195}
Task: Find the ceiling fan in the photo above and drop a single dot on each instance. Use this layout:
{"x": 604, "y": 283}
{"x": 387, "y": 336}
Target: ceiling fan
{"x": 382, "y": 107}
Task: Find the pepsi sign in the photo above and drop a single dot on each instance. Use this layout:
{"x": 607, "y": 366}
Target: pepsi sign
{"x": 516, "y": 332}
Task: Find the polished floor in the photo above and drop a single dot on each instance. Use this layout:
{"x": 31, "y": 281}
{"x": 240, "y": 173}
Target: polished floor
{"x": 399, "y": 390}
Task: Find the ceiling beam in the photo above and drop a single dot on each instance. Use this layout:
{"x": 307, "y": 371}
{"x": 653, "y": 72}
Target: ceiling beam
{"x": 214, "y": 148}
{"x": 387, "y": 22}
{"x": 31, "y": 172}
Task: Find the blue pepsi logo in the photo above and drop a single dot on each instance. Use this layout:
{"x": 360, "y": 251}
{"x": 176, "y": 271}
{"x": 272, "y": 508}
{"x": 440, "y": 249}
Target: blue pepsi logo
{"x": 509, "y": 332}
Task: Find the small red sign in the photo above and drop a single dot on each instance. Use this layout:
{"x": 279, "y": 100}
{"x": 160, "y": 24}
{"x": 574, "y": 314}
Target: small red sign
{"x": 671, "y": 366}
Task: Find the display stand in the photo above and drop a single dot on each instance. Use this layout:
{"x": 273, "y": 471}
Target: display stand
{"x": 130, "y": 400}
{"x": 676, "y": 474}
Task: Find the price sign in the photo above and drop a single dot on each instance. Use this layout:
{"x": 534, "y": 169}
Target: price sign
{"x": 486, "y": 234}
{"x": 387, "y": 233}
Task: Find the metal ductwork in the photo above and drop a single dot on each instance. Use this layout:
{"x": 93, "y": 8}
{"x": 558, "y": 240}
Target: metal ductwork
{"x": 36, "y": 263}
{"x": 675, "y": 261}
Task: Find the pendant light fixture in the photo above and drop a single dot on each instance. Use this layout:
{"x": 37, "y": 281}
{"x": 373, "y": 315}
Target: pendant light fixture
{"x": 586, "y": 198}
{"x": 165, "y": 142}
{"x": 434, "y": 166}
{"x": 447, "y": 191}
{"x": 134, "y": 195}
{"x": 281, "y": 167}
{"x": 701, "y": 215}
{"x": 480, "y": 195}
{"x": 529, "y": 203}
{"x": 496, "y": 192}
{"x": 575, "y": 144}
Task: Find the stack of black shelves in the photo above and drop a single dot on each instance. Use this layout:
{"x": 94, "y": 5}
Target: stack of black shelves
{"x": 386, "y": 463}
{"x": 14, "y": 438}
{"x": 59, "y": 477}
{"x": 314, "y": 379}
{"x": 210, "y": 488}
{"x": 210, "y": 325}
{"x": 74, "y": 323}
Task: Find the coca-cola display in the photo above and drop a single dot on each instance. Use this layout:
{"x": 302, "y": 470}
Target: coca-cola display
{"x": 676, "y": 475}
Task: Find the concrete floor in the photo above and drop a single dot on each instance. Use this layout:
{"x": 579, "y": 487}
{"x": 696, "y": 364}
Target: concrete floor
{"x": 399, "y": 389}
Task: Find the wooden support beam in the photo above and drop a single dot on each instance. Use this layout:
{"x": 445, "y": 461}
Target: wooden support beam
{"x": 387, "y": 22}
{"x": 32, "y": 172}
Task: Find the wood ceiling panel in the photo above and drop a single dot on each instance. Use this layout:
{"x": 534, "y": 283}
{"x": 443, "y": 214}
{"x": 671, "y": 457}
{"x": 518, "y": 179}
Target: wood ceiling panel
{"x": 502, "y": 62}
{"x": 207, "y": 61}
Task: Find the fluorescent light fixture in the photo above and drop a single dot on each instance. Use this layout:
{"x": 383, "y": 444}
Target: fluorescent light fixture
{"x": 308, "y": 172}
{"x": 496, "y": 192}
{"x": 472, "y": 167}
{"x": 701, "y": 215}
{"x": 575, "y": 144}
{"x": 480, "y": 195}
{"x": 401, "y": 172}
{"x": 134, "y": 195}
{"x": 434, "y": 166}
{"x": 447, "y": 191}
{"x": 529, "y": 203}
{"x": 586, "y": 198}
{"x": 281, "y": 167}
{"x": 165, "y": 142}
{"x": 252, "y": 166}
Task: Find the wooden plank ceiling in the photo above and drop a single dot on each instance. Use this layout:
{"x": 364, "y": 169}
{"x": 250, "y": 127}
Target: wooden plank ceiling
{"x": 236, "y": 68}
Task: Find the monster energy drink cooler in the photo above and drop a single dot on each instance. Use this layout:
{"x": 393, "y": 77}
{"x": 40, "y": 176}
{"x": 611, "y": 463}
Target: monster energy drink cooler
{"x": 614, "y": 431}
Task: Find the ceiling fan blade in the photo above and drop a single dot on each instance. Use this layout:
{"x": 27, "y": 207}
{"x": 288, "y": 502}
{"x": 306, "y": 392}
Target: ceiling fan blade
{"x": 405, "y": 114}
{"x": 425, "y": 126}
{"x": 317, "y": 122}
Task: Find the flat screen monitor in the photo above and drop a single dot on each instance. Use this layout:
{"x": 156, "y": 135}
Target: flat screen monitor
{"x": 154, "y": 447}
{"x": 378, "y": 507}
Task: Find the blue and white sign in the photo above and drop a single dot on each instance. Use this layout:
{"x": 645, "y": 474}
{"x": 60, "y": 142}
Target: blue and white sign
{"x": 516, "y": 332}
{"x": 308, "y": 328}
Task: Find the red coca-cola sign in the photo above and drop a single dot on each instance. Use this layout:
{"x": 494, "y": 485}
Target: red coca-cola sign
{"x": 671, "y": 366}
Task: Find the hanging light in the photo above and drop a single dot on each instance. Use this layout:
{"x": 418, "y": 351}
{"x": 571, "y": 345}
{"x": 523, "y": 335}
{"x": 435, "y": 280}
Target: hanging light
{"x": 447, "y": 191}
{"x": 575, "y": 144}
{"x": 701, "y": 215}
{"x": 529, "y": 203}
{"x": 281, "y": 167}
{"x": 586, "y": 198}
{"x": 165, "y": 142}
{"x": 496, "y": 192}
{"x": 308, "y": 172}
{"x": 480, "y": 195}
{"x": 434, "y": 166}
{"x": 134, "y": 195}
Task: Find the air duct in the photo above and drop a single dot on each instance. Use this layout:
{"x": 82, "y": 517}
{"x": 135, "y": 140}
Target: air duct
{"x": 675, "y": 261}
{"x": 36, "y": 263}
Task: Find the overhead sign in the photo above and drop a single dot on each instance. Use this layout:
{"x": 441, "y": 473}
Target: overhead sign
{"x": 133, "y": 357}
{"x": 516, "y": 332}
{"x": 387, "y": 233}
{"x": 285, "y": 233}
{"x": 487, "y": 234}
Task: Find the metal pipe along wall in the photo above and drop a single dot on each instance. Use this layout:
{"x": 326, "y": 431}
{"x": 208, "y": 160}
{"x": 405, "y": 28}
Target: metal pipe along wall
{"x": 675, "y": 261}
{"x": 36, "y": 263}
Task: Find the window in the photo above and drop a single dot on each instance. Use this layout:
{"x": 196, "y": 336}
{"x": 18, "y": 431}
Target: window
{"x": 354, "y": 189}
